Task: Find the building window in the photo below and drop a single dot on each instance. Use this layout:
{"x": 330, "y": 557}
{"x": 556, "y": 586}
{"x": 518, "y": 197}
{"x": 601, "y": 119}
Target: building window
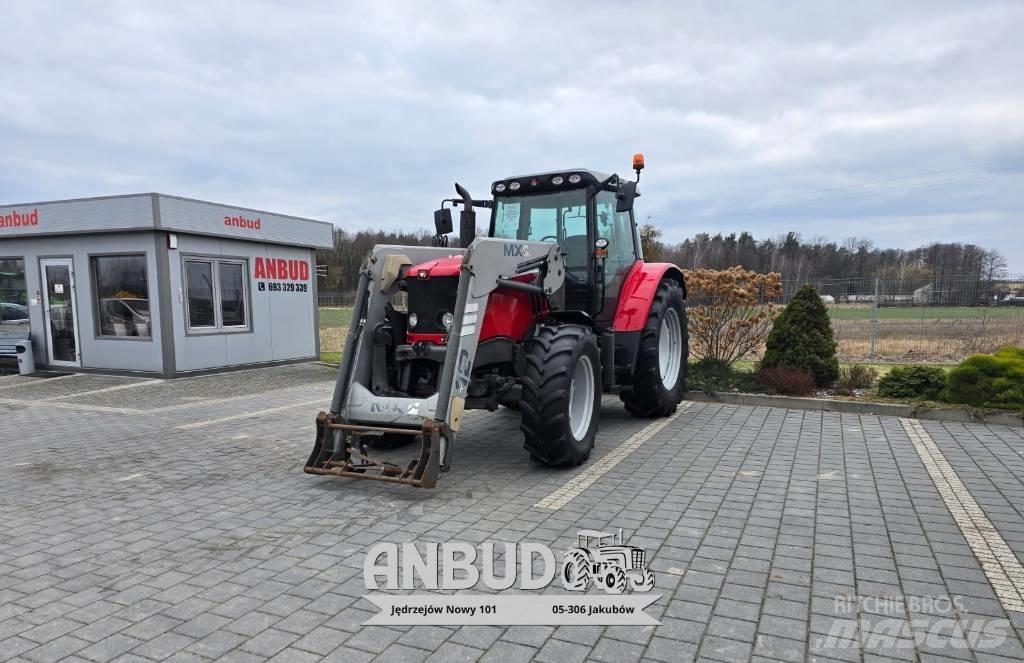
{"x": 122, "y": 296}
{"x": 13, "y": 296}
{"x": 218, "y": 294}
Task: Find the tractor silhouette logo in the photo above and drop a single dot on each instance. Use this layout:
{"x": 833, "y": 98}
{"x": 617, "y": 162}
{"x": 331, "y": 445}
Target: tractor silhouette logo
{"x": 601, "y": 558}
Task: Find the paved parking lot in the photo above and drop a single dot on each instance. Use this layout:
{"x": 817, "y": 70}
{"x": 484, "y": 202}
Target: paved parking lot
{"x": 147, "y": 520}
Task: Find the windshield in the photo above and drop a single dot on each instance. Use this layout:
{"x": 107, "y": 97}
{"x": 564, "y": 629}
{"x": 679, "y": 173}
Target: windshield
{"x": 550, "y": 217}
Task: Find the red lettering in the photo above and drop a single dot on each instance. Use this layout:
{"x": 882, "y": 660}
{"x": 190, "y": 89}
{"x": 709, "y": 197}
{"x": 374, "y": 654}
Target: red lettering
{"x": 18, "y": 219}
{"x": 282, "y": 268}
{"x": 259, "y": 271}
{"x": 293, "y": 270}
{"x": 271, "y": 268}
{"x": 303, "y": 270}
{"x": 242, "y": 222}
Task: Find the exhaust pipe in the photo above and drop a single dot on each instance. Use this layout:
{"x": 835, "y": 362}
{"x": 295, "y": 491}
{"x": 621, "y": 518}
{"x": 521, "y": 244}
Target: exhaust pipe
{"x": 467, "y": 217}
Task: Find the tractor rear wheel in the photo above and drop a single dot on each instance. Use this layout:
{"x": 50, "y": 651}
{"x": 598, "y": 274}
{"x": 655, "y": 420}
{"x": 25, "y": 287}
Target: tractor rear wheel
{"x": 561, "y": 394}
{"x": 660, "y": 378}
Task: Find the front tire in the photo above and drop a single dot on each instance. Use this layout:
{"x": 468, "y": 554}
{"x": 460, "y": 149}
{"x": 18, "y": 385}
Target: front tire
{"x": 613, "y": 579}
{"x": 660, "y": 378}
{"x": 561, "y": 395}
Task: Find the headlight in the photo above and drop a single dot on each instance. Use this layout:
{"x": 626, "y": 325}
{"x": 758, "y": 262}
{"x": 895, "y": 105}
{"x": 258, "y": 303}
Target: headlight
{"x": 498, "y": 188}
{"x": 513, "y": 186}
{"x": 413, "y": 319}
{"x": 557, "y": 179}
{"x": 574, "y": 178}
{"x": 447, "y": 319}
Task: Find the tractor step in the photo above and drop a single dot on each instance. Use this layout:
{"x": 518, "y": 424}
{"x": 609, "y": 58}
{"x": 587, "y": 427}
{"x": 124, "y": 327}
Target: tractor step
{"x": 340, "y": 450}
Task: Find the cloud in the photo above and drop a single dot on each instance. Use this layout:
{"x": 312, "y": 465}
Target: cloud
{"x": 365, "y": 114}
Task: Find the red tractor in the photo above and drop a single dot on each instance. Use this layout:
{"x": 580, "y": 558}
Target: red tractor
{"x": 553, "y": 308}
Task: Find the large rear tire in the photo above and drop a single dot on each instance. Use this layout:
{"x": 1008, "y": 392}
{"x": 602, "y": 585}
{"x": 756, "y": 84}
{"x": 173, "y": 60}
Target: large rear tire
{"x": 660, "y": 378}
{"x": 561, "y": 400}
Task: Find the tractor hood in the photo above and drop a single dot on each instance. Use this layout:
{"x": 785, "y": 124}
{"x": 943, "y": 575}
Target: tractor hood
{"x": 448, "y": 266}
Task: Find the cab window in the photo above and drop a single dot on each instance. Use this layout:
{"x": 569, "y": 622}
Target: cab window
{"x": 617, "y": 228}
{"x": 542, "y": 218}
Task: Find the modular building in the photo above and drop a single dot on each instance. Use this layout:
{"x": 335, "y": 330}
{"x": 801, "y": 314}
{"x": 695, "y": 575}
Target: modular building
{"x": 159, "y": 284}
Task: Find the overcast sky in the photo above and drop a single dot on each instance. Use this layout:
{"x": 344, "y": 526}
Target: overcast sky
{"x": 901, "y": 122}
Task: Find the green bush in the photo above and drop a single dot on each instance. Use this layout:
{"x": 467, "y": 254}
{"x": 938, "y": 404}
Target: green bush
{"x": 802, "y": 338}
{"x": 915, "y": 382}
{"x": 989, "y": 380}
{"x": 714, "y": 375}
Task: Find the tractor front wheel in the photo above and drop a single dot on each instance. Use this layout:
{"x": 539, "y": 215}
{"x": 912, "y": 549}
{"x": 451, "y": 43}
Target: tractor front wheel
{"x": 660, "y": 378}
{"x": 561, "y": 394}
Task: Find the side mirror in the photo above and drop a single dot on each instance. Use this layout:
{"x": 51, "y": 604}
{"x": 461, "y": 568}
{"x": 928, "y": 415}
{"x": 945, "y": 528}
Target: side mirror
{"x": 443, "y": 221}
{"x": 624, "y": 198}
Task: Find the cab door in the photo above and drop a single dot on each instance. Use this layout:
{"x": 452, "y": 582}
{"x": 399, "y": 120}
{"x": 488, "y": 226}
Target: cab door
{"x": 618, "y": 229}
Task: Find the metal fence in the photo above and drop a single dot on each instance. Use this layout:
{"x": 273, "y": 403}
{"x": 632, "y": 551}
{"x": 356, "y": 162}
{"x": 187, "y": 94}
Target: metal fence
{"x": 336, "y": 299}
{"x": 933, "y": 319}
{"x": 927, "y": 319}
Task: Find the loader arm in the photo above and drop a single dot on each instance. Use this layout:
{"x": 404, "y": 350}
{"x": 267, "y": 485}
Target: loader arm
{"x": 359, "y": 408}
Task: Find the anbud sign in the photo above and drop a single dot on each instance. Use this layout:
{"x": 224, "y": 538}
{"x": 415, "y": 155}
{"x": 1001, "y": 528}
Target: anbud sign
{"x": 280, "y": 275}
{"x": 18, "y": 219}
{"x": 242, "y": 222}
{"x": 600, "y": 561}
{"x": 451, "y": 566}
{"x": 280, "y": 269}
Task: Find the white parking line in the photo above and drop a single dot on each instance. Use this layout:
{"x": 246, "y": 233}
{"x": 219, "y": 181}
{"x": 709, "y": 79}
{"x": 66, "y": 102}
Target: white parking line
{"x": 24, "y": 382}
{"x": 69, "y": 406}
{"x": 248, "y": 415}
{"x": 1001, "y": 566}
{"x": 573, "y": 487}
{"x": 141, "y": 383}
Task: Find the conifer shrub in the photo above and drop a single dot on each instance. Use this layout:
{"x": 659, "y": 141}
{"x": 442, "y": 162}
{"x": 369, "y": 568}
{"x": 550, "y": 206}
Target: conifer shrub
{"x": 801, "y": 338}
{"x": 995, "y": 380}
{"x": 913, "y": 382}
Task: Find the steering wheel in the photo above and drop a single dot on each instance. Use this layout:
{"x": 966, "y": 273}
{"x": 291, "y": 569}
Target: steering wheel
{"x": 547, "y": 237}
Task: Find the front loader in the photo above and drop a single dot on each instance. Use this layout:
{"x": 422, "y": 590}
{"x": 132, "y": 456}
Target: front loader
{"x": 554, "y": 307}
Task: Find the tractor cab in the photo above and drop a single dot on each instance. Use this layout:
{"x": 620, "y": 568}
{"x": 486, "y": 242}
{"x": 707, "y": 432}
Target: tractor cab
{"x": 589, "y": 215}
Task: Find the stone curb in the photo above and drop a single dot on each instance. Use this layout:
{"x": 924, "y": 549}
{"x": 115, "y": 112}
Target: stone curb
{"x": 855, "y": 407}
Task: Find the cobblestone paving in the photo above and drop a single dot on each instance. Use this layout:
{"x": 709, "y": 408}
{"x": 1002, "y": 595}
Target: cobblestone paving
{"x": 774, "y": 534}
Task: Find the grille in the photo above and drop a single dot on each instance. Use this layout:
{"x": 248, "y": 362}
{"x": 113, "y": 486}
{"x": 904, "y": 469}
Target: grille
{"x": 638, "y": 558}
{"x": 429, "y": 299}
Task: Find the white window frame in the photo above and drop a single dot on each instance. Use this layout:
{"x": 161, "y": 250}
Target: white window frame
{"x": 218, "y": 327}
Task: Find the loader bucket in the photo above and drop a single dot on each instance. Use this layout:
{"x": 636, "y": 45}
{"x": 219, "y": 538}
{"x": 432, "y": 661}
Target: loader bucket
{"x": 340, "y": 451}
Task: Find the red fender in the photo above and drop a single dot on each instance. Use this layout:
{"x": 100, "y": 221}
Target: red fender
{"x": 638, "y": 292}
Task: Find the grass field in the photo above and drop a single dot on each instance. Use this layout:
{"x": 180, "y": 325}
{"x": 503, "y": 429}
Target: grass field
{"x": 335, "y": 317}
{"x": 334, "y": 324}
{"x": 911, "y": 335}
{"x": 863, "y": 312}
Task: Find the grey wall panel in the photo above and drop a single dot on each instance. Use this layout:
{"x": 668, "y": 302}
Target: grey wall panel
{"x": 281, "y": 311}
{"x": 96, "y": 352}
{"x": 183, "y": 215}
{"x": 292, "y": 325}
{"x": 94, "y": 214}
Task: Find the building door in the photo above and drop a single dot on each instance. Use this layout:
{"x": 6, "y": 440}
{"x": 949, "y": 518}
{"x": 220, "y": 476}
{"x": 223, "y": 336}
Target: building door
{"x": 61, "y": 316}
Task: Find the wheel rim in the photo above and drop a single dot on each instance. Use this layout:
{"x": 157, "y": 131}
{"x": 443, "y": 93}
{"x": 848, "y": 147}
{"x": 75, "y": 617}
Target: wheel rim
{"x": 581, "y": 398}
{"x": 670, "y": 348}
